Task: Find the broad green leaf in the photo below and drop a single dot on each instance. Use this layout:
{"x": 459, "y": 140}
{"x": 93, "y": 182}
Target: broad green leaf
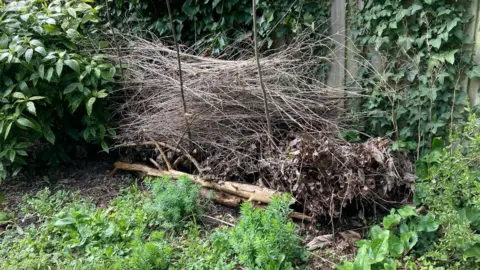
{"x": 105, "y": 147}
{"x": 72, "y": 12}
{"x": 474, "y": 72}
{"x": 41, "y": 50}
{"x": 73, "y": 64}
{"x": 450, "y": 56}
{"x": 64, "y": 221}
{"x": 59, "y": 67}
{"x": 28, "y": 55}
{"x": 48, "y": 134}
{"x": 36, "y": 98}
{"x": 190, "y": 8}
{"x": 25, "y": 122}
{"x": 409, "y": 239}
{"x": 362, "y": 259}
{"x": 36, "y": 43}
{"x": 407, "y": 211}
{"x": 70, "y": 88}
{"x": 391, "y": 220}
{"x": 395, "y": 245}
{"x": 11, "y": 155}
{"x": 9, "y": 90}
{"x": 23, "y": 145}
{"x": 18, "y": 95}
{"x": 379, "y": 246}
{"x": 23, "y": 86}
{"x": 41, "y": 71}
{"x": 49, "y": 74}
{"x": 7, "y": 130}
{"x": 472, "y": 252}
{"x": 31, "y": 108}
{"x": 427, "y": 223}
{"x": 90, "y": 105}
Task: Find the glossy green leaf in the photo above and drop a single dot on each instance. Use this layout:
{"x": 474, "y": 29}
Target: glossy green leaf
{"x": 70, "y": 88}
{"x": 89, "y": 105}
{"x": 31, "y": 108}
{"x": 28, "y": 55}
{"x": 73, "y": 64}
{"x": 59, "y": 67}
{"x": 105, "y": 147}
{"x": 48, "y": 134}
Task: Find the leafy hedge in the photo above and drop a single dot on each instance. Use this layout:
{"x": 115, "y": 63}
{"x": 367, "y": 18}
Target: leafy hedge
{"x": 418, "y": 94}
{"x": 53, "y": 84}
{"x": 219, "y": 23}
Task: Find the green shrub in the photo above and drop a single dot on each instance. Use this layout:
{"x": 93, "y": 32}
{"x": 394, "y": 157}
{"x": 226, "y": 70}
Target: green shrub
{"x": 266, "y": 239}
{"x": 450, "y": 189}
{"x": 174, "y": 202}
{"x": 52, "y": 83}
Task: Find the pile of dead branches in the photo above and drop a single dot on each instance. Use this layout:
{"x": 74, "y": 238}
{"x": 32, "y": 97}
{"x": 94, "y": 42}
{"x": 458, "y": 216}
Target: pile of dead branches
{"x": 326, "y": 174}
{"x": 221, "y": 117}
{"x": 223, "y": 98}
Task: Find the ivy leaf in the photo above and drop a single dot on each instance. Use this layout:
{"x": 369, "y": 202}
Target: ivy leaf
{"x": 191, "y": 9}
{"x": 450, "y": 56}
{"x": 474, "y": 72}
{"x": 436, "y": 42}
{"x": 48, "y": 134}
{"x": 415, "y": 8}
{"x": 90, "y": 105}
{"x": 28, "y": 55}
{"x": 73, "y": 64}
{"x": 31, "y": 108}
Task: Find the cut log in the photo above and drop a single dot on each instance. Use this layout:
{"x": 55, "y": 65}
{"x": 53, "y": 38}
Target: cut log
{"x": 249, "y": 192}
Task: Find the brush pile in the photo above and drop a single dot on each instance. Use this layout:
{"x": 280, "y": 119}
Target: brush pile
{"x": 221, "y": 115}
{"x": 224, "y": 105}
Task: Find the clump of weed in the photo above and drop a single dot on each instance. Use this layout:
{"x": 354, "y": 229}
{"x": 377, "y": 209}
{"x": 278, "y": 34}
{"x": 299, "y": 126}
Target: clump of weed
{"x": 174, "y": 202}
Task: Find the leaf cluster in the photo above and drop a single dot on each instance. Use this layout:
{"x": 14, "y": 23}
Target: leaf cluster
{"x": 52, "y": 87}
{"x": 417, "y": 92}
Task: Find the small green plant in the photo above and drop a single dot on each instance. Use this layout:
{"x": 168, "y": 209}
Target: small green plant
{"x": 175, "y": 202}
{"x": 388, "y": 247}
{"x": 266, "y": 239}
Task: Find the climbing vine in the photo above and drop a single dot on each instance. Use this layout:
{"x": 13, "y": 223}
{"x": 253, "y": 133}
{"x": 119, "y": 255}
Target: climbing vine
{"x": 417, "y": 91}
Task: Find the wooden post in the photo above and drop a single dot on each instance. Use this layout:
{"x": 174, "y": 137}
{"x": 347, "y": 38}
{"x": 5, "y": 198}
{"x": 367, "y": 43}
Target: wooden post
{"x": 472, "y": 86}
{"x": 336, "y": 74}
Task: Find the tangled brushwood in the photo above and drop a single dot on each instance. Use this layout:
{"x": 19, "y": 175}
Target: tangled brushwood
{"x": 225, "y": 122}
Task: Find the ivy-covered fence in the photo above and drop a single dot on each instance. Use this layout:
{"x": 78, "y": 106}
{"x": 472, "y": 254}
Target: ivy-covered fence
{"x": 416, "y": 63}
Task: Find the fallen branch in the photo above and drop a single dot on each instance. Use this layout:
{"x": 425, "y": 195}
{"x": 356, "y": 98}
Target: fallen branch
{"x": 165, "y": 159}
{"x": 234, "y": 201}
{"x": 249, "y": 192}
